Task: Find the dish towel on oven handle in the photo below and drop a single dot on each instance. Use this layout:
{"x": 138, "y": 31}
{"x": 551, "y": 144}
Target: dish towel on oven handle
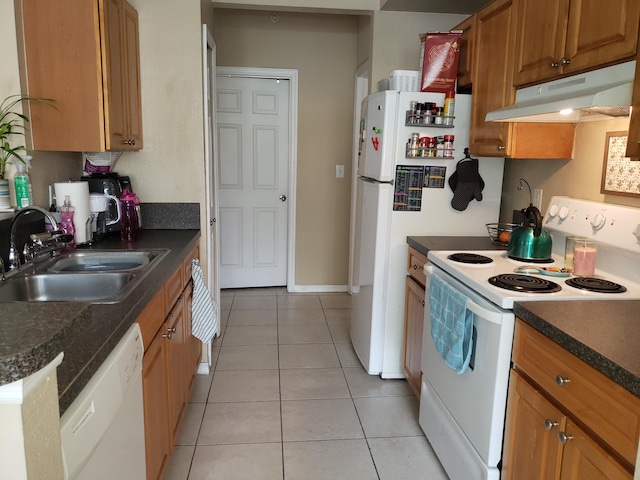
{"x": 451, "y": 324}
{"x": 204, "y": 310}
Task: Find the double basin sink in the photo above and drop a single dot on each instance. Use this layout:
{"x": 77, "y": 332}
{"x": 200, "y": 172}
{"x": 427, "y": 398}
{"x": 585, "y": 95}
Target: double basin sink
{"x": 99, "y": 276}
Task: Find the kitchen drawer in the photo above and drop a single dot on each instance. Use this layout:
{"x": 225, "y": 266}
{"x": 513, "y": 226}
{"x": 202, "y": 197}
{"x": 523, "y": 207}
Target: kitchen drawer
{"x": 173, "y": 288}
{"x": 416, "y": 262}
{"x": 610, "y": 411}
{"x": 151, "y": 318}
{"x": 187, "y": 264}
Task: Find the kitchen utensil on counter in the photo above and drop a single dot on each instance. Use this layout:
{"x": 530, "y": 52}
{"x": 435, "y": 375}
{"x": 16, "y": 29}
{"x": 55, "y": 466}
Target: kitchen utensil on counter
{"x": 530, "y": 242}
{"x": 584, "y": 257}
{"x": 109, "y": 184}
{"x": 500, "y": 232}
{"x": 551, "y": 271}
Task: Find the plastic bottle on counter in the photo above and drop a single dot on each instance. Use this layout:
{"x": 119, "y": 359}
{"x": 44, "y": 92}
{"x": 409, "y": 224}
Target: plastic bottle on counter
{"x": 22, "y": 182}
{"x": 66, "y": 219}
{"x": 129, "y": 216}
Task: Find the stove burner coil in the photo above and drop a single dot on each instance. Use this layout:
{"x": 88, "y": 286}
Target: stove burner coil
{"x": 597, "y": 285}
{"x": 469, "y": 258}
{"x": 524, "y": 283}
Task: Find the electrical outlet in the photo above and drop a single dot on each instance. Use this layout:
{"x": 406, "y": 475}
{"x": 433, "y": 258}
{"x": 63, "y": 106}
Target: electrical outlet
{"x": 339, "y": 171}
{"x": 537, "y": 198}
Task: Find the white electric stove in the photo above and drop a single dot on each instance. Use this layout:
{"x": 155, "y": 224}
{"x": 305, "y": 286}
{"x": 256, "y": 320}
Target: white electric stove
{"x": 463, "y": 415}
{"x": 615, "y": 228}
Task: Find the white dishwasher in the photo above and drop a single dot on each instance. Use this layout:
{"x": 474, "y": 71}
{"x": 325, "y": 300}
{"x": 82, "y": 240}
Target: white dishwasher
{"x": 103, "y": 429}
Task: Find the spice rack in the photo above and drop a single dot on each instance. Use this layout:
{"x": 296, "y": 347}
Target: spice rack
{"x": 426, "y": 152}
{"x": 428, "y": 120}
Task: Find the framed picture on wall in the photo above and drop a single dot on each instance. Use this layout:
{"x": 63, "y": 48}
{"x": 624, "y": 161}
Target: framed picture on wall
{"x": 620, "y": 175}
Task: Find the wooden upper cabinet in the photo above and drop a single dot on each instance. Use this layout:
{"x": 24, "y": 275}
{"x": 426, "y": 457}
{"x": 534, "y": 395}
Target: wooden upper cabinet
{"x": 465, "y": 64}
{"x": 492, "y": 77}
{"x": 83, "y": 54}
{"x": 633, "y": 139}
{"x": 556, "y": 38}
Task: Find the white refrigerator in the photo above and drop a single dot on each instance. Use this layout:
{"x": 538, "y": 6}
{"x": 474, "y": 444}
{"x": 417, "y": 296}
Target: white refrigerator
{"x": 402, "y": 193}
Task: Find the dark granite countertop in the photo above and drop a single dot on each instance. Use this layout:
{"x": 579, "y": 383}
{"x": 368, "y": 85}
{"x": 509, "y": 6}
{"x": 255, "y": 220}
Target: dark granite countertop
{"x": 34, "y": 333}
{"x": 424, "y": 244}
{"x": 603, "y": 333}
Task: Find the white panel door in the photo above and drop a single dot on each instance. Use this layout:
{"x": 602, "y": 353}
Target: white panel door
{"x": 253, "y": 136}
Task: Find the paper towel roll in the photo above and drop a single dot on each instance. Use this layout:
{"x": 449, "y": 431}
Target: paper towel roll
{"x": 78, "y": 193}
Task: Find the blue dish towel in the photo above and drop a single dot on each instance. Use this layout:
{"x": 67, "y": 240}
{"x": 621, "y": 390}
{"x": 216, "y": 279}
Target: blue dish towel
{"x": 204, "y": 310}
{"x": 451, "y": 324}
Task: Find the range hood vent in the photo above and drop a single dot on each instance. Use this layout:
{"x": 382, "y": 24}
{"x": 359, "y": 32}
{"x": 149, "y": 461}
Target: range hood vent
{"x": 595, "y": 95}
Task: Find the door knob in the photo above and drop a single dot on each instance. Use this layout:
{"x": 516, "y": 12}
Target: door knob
{"x": 283, "y": 198}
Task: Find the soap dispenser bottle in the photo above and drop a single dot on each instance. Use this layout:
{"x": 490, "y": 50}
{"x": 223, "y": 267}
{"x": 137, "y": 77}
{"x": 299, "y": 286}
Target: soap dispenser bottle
{"x": 22, "y": 182}
{"x": 66, "y": 219}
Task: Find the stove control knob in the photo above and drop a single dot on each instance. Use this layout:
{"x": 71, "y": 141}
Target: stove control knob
{"x": 563, "y": 213}
{"x": 553, "y": 210}
{"x": 598, "y": 220}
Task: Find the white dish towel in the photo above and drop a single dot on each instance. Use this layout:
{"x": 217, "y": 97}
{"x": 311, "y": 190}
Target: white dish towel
{"x": 204, "y": 311}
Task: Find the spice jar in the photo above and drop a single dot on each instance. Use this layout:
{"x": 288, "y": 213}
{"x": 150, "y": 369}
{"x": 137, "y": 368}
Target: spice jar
{"x": 427, "y": 113}
{"x": 448, "y": 146}
{"x": 440, "y": 147}
{"x": 414, "y": 145}
{"x": 439, "y": 118}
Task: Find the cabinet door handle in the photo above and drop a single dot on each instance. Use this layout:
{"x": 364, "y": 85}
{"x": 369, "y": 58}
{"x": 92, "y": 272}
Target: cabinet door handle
{"x": 549, "y": 424}
{"x": 501, "y": 148}
{"x": 415, "y": 267}
{"x": 167, "y": 335}
{"x": 423, "y": 304}
{"x": 561, "y": 381}
{"x": 553, "y": 64}
{"x": 171, "y": 330}
{"x": 565, "y": 61}
{"x": 564, "y": 438}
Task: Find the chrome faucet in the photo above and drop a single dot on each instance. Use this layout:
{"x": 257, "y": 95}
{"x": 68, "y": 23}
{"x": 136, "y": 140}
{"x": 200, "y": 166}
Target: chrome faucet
{"x": 14, "y": 255}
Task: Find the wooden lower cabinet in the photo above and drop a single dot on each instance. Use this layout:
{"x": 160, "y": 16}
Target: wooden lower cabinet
{"x": 565, "y": 420}
{"x": 169, "y": 365}
{"x": 414, "y": 321}
{"x": 156, "y": 406}
{"x": 177, "y": 368}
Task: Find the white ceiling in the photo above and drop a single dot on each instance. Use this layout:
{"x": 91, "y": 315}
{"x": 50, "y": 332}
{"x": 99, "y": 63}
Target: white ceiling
{"x": 433, "y": 6}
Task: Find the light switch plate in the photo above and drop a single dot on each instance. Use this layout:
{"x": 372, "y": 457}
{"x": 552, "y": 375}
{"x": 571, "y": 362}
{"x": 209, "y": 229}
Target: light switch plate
{"x": 339, "y": 171}
{"x": 537, "y": 198}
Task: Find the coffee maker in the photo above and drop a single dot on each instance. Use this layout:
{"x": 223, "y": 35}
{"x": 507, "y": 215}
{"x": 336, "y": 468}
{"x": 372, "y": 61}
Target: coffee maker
{"x": 109, "y": 184}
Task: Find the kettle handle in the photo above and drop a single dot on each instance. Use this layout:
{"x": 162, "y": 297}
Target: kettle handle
{"x": 537, "y": 217}
{"x": 118, "y": 208}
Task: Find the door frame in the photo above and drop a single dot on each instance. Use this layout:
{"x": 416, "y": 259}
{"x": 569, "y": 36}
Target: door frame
{"x": 292, "y": 76}
{"x": 211, "y": 188}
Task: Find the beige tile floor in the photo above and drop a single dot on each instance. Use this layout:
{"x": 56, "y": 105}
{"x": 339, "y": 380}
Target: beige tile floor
{"x": 289, "y": 400}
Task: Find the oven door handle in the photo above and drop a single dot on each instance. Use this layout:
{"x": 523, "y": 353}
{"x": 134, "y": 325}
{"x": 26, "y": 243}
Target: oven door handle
{"x": 483, "y": 313}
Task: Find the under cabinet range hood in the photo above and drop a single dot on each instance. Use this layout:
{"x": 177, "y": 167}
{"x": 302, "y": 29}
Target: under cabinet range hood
{"x": 594, "y": 95}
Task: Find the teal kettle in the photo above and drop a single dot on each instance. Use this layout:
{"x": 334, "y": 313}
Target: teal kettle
{"x": 530, "y": 242}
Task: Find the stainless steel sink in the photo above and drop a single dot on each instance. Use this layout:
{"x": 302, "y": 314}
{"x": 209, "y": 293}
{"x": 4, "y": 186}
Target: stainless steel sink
{"x": 71, "y": 287}
{"x": 99, "y": 276}
{"x": 102, "y": 261}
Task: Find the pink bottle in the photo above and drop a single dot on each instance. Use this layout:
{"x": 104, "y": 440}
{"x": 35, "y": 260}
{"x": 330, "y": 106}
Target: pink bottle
{"x": 129, "y": 216}
{"x": 66, "y": 219}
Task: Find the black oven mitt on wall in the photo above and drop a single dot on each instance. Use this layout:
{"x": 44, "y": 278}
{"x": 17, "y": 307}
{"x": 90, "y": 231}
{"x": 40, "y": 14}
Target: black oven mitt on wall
{"x": 466, "y": 183}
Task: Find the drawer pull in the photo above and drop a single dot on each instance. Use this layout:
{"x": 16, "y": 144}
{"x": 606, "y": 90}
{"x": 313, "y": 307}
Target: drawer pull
{"x": 564, "y": 438}
{"x": 415, "y": 267}
{"x": 171, "y": 330}
{"x": 423, "y": 303}
{"x": 167, "y": 335}
{"x": 561, "y": 381}
{"x": 550, "y": 424}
